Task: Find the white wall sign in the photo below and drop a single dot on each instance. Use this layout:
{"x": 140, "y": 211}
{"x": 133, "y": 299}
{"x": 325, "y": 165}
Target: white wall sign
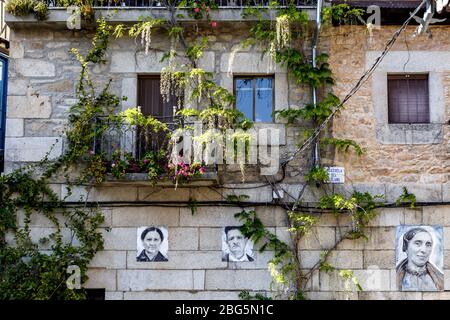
{"x": 337, "y": 174}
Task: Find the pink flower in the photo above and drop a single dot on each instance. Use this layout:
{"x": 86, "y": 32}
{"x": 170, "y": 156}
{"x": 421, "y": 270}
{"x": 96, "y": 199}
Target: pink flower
{"x": 202, "y": 170}
{"x": 196, "y": 10}
{"x": 214, "y": 24}
{"x": 145, "y": 161}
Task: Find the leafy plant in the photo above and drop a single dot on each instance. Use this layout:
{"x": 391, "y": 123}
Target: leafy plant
{"x": 24, "y": 7}
{"x": 406, "y": 197}
{"x": 317, "y": 175}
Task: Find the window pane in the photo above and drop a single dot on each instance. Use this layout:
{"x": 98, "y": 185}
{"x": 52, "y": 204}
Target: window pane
{"x": 264, "y": 100}
{"x": 408, "y": 99}
{"x": 244, "y": 97}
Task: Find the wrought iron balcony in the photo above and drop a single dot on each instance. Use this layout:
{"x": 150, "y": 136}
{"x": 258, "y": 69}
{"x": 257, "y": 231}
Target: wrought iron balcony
{"x": 161, "y": 4}
{"x": 129, "y": 11}
{"x": 137, "y": 149}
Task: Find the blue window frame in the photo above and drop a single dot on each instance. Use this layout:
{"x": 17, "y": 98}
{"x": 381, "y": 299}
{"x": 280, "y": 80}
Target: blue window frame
{"x": 3, "y": 94}
{"x": 255, "y": 97}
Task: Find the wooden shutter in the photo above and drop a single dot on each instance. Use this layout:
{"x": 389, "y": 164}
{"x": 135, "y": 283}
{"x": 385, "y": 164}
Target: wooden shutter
{"x": 408, "y": 99}
{"x": 150, "y": 99}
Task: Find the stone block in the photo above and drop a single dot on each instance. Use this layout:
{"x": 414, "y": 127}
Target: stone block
{"x": 207, "y": 61}
{"x": 436, "y": 215}
{"x": 199, "y": 279}
{"x": 113, "y": 295}
{"x": 248, "y": 62}
{"x": 370, "y": 280}
{"x": 143, "y": 280}
{"x": 32, "y": 148}
{"x": 182, "y": 295}
{"x": 309, "y": 258}
{"x": 16, "y": 50}
{"x": 101, "y": 279}
{"x": 183, "y": 238}
{"x": 446, "y": 192}
{"x": 255, "y": 194}
{"x": 35, "y": 68}
{"x": 423, "y": 192}
{"x": 120, "y": 239}
{"x": 14, "y": 127}
{"x": 390, "y": 295}
{"x": 101, "y": 194}
{"x": 388, "y": 217}
{"x": 351, "y": 259}
{"x": 45, "y": 128}
{"x": 210, "y": 238}
{"x": 129, "y": 90}
{"x": 237, "y": 280}
{"x": 446, "y": 280}
{"x": 163, "y": 194}
{"x": 205, "y": 194}
{"x": 382, "y": 259}
{"x": 30, "y": 106}
{"x": 123, "y": 62}
{"x": 61, "y": 55}
{"x": 193, "y": 260}
{"x": 413, "y": 216}
{"x": 17, "y": 87}
{"x": 436, "y": 296}
{"x": 332, "y": 295}
{"x": 145, "y": 216}
{"x": 381, "y": 238}
{"x": 351, "y": 244}
{"x": 319, "y": 238}
{"x": 109, "y": 260}
{"x": 210, "y": 217}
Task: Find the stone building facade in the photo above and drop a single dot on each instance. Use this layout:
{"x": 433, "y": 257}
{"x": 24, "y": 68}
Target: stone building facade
{"x": 42, "y": 78}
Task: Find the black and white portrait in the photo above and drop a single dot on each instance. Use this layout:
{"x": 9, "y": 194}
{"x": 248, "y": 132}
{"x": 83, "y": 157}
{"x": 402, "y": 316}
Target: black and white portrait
{"x": 235, "y": 246}
{"x": 419, "y": 258}
{"x": 152, "y": 244}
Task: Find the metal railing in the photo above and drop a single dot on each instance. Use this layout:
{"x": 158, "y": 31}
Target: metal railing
{"x": 156, "y": 3}
{"x": 136, "y": 140}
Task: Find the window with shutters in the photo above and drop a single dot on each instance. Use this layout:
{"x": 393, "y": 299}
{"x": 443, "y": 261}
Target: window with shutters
{"x": 408, "y": 98}
{"x": 151, "y": 101}
{"x": 255, "y": 97}
{"x": 152, "y": 104}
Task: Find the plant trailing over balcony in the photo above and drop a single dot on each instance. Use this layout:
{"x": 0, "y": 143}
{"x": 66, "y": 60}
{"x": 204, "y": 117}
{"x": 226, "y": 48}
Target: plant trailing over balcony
{"x": 24, "y": 7}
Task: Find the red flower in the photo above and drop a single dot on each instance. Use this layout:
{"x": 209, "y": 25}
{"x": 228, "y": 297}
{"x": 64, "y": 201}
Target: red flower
{"x": 196, "y": 10}
{"x": 214, "y": 24}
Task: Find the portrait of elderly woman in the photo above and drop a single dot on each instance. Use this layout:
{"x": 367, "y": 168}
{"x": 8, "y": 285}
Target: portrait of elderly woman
{"x": 419, "y": 258}
{"x": 152, "y": 244}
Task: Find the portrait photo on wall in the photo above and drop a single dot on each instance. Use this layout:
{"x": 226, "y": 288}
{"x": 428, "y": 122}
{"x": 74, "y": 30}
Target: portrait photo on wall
{"x": 152, "y": 244}
{"x": 235, "y": 246}
{"x": 419, "y": 258}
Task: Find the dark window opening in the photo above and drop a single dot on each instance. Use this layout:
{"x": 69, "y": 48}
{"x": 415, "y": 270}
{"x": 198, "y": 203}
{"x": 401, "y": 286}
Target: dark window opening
{"x": 408, "y": 98}
{"x": 255, "y": 97}
{"x": 95, "y": 294}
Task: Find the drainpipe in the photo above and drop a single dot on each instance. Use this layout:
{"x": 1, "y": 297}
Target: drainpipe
{"x": 316, "y": 151}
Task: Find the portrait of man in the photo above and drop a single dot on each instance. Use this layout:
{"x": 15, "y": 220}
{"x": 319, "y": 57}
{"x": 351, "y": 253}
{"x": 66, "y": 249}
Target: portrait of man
{"x": 152, "y": 244}
{"x": 420, "y": 258}
{"x": 235, "y": 246}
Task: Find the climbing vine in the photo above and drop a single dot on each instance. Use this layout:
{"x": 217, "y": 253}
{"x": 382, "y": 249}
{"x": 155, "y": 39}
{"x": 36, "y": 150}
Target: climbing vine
{"x": 43, "y": 275}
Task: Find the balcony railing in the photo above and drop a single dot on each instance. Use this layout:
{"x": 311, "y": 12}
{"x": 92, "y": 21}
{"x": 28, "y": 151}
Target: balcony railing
{"x": 135, "y": 144}
{"x": 219, "y": 3}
